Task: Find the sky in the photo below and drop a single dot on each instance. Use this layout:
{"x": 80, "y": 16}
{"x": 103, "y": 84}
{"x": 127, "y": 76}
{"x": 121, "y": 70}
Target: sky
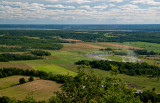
{"x": 79, "y": 11}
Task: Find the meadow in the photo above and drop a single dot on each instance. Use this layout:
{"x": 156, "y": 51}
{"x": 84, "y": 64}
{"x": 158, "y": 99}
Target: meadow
{"x": 145, "y": 45}
{"x": 39, "y": 89}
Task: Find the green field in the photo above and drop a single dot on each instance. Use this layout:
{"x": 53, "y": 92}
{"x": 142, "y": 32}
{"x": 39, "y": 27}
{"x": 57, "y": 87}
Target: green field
{"x": 39, "y": 89}
{"x": 55, "y": 70}
{"x": 148, "y": 46}
{"x": 62, "y": 62}
{"x": 143, "y": 83}
{"x": 11, "y": 81}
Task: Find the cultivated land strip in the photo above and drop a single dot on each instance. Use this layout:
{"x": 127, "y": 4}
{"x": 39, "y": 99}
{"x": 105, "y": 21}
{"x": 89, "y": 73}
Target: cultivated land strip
{"x": 80, "y": 46}
{"x": 14, "y": 65}
{"x": 118, "y": 45}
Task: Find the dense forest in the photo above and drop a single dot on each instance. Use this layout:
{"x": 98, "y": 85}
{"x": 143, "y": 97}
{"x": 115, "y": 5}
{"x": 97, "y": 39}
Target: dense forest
{"x": 26, "y": 42}
{"x": 89, "y": 36}
{"x": 13, "y": 49}
{"x": 125, "y": 68}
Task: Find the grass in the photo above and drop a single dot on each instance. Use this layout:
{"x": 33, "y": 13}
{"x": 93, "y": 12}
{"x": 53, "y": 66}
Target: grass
{"x": 114, "y": 58}
{"x": 62, "y": 62}
{"x": 66, "y": 59}
{"x": 11, "y": 81}
{"x": 107, "y": 46}
{"x": 148, "y": 46}
{"x": 14, "y": 65}
{"x": 54, "y": 69}
{"x": 143, "y": 83}
{"x": 40, "y": 90}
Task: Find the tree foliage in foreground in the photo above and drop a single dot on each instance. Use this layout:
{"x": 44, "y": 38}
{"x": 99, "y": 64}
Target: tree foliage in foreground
{"x": 87, "y": 87}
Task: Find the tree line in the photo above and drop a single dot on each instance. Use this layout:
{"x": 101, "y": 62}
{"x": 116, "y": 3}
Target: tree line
{"x": 11, "y": 57}
{"x": 5, "y": 72}
{"x": 145, "y": 52}
{"x": 124, "y": 68}
{"x": 40, "y": 53}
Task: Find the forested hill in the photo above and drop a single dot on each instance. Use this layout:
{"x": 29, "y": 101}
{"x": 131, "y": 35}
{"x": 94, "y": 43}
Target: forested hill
{"x": 120, "y": 27}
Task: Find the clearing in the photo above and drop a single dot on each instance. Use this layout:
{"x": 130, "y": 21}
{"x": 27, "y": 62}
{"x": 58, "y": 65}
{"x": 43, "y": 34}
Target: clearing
{"x": 148, "y": 46}
{"x": 11, "y": 81}
{"x": 14, "y": 65}
{"x": 121, "y": 46}
{"x": 40, "y": 90}
{"x": 80, "y": 46}
{"x": 55, "y": 70}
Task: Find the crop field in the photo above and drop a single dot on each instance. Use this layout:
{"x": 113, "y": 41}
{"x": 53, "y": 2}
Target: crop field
{"x": 120, "y": 46}
{"x": 81, "y": 46}
{"x": 39, "y": 89}
{"x": 14, "y": 65}
{"x": 102, "y": 45}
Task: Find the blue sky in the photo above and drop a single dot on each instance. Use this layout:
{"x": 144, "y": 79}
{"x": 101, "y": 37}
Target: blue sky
{"x": 79, "y": 11}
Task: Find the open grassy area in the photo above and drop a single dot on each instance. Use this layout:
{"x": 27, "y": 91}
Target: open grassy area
{"x": 11, "y": 81}
{"x": 54, "y": 69}
{"x": 102, "y": 45}
{"x": 143, "y": 83}
{"x": 148, "y": 46}
{"x": 62, "y": 61}
{"x": 14, "y": 65}
{"x": 40, "y": 90}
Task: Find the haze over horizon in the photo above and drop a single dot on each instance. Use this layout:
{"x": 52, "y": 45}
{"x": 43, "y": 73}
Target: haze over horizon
{"x": 79, "y": 12}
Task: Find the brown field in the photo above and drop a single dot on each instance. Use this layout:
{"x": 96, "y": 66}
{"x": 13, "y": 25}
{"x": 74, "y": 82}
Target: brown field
{"x": 11, "y": 65}
{"x": 12, "y": 80}
{"x": 73, "y": 40}
{"x": 118, "y": 45}
{"x": 40, "y": 90}
{"x": 80, "y": 46}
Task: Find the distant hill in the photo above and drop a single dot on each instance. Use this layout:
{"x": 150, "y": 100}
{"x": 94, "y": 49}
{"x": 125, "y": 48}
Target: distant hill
{"x": 109, "y": 27}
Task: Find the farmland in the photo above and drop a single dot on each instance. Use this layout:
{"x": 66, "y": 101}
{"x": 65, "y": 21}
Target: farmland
{"x": 62, "y": 61}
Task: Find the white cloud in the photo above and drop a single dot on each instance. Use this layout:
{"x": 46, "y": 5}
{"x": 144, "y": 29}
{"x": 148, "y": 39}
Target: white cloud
{"x": 85, "y": 7}
{"x": 60, "y": 6}
{"x": 100, "y": 7}
{"x": 52, "y": 0}
{"x": 129, "y": 6}
{"x": 112, "y": 5}
{"x": 79, "y": 1}
{"x": 149, "y": 2}
{"x": 118, "y": 1}
{"x": 94, "y": 12}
